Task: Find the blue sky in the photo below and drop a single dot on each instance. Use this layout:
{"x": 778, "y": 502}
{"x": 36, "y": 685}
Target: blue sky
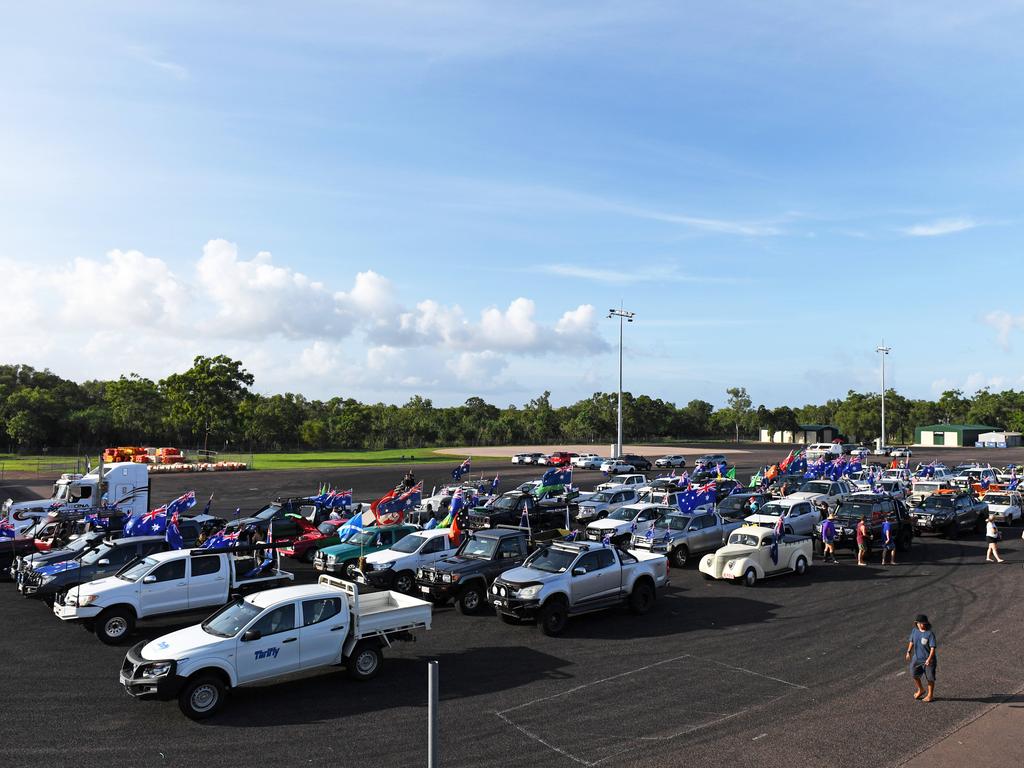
{"x": 448, "y": 196}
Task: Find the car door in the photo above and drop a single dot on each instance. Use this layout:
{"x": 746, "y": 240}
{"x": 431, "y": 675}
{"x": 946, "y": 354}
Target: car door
{"x": 322, "y": 632}
{"x": 165, "y": 589}
{"x": 435, "y": 549}
{"x": 207, "y": 581}
{"x": 275, "y": 652}
{"x": 800, "y": 519}
{"x": 510, "y": 553}
{"x": 586, "y": 587}
{"x": 645, "y": 520}
{"x": 709, "y": 535}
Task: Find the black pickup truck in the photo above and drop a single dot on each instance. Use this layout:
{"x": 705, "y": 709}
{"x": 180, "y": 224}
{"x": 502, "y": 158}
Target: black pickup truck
{"x": 875, "y": 508}
{"x": 465, "y": 576}
{"x": 509, "y": 509}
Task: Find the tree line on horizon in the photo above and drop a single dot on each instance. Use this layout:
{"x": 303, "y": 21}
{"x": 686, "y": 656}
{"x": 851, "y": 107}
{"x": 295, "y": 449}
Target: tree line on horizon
{"x": 211, "y": 405}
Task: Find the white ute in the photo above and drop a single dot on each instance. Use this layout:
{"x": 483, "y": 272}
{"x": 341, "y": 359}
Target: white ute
{"x": 269, "y": 635}
{"x": 165, "y": 582}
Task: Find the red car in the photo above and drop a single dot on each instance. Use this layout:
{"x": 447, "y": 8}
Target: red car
{"x": 561, "y": 458}
{"x": 312, "y": 539}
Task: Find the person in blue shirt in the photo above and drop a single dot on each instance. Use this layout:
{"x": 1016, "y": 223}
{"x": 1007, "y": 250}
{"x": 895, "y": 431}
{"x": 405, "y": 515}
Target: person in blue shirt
{"x": 828, "y": 538}
{"x": 921, "y": 657}
{"x": 888, "y": 541}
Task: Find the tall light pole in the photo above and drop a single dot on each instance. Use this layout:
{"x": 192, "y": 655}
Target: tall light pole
{"x": 883, "y": 351}
{"x": 626, "y": 317}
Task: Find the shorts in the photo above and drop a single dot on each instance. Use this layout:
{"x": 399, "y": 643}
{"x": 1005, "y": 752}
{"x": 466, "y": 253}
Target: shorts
{"x": 862, "y": 546}
{"x": 890, "y": 546}
{"x": 919, "y": 668}
{"x": 992, "y": 539}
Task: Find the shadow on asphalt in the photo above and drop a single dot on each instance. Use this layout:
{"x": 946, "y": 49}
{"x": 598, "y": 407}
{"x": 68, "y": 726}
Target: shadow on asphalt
{"x": 402, "y": 683}
{"x": 995, "y": 698}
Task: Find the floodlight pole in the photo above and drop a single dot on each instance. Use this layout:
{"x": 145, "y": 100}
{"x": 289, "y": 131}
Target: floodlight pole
{"x": 627, "y": 317}
{"x": 883, "y": 351}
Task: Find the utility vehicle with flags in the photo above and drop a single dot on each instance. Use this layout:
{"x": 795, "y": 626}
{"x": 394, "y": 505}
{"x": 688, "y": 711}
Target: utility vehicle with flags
{"x": 754, "y": 553}
{"x": 169, "y": 582}
{"x": 269, "y": 635}
{"x": 568, "y": 578}
{"x": 343, "y": 559}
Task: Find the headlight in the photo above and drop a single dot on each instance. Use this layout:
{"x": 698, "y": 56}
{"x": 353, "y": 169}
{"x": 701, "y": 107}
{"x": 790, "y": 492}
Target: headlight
{"x": 157, "y": 670}
{"x": 331, "y": 558}
{"x": 528, "y": 593}
{"x": 447, "y": 577}
{"x": 80, "y": 600}
{"x": 47, "y": 579}
{"x": 419, "y": 573}
{"x": 730, "y": 564}
{"x": 381, "y": 566}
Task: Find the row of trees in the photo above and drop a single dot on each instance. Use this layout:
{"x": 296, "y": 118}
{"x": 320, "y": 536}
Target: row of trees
{"x": 212, "y": 405}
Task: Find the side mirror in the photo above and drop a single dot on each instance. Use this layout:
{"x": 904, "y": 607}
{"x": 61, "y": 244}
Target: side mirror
{"x": 250, "y": 635}
{"x": 151, "y": 579}
{"x": 104, "y": 561}
{"x": 579, "y": 571}
{"x": 692, "y": 528}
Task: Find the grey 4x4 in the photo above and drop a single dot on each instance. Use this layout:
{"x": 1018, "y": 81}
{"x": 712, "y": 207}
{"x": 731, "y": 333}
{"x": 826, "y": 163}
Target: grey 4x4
{"x": 681, "y": 535}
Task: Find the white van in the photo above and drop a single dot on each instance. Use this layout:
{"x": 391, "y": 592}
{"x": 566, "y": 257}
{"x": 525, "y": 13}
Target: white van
{"x": 827, "y": 450}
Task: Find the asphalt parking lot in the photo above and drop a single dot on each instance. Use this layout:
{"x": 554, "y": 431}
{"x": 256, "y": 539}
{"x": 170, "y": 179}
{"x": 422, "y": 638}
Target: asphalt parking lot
{"x": 803, "y": 671}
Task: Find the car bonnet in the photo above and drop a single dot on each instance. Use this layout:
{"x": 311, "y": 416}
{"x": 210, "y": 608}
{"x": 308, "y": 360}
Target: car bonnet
{"x": 180, "y": 644}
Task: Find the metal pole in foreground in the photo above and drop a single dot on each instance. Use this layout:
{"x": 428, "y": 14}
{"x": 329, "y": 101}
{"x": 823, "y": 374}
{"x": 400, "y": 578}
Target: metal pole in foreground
{"x": 433, "y": 743}
{"x": 883, "y": 350}
{"x": 628, "y": 317}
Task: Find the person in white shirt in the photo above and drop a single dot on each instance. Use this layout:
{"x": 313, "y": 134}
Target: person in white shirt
{"x": 992, "y": 534}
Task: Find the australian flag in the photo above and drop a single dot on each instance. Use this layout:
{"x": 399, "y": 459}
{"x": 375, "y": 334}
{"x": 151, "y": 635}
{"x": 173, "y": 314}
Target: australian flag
{"x": 571, "y": 536}
{"x": 172, "y": 534}
{"x": 221, "y": 540}
{"x": 343, "y": 499}
{"x": 462, "y": 469}
{"x": 183, "y": 503}
{"x": 152, "y": 523}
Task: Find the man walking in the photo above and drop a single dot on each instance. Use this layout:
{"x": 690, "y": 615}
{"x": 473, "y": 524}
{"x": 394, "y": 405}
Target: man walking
{"x": 888, "y": 542}
{"x": 862, "y": 540}
{"x": 828, "y": 538}
{"x": 921, "y": 657}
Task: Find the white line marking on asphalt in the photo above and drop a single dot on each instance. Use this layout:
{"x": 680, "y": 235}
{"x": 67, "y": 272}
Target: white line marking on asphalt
{"x": 903, "y": 672}
{"x": 756, "y": 674}
{"x": 759, "y": 736}
{"x": 547, "y": 744}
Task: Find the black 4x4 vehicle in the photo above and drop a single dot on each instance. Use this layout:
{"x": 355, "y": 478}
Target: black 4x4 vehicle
{"x": 465, "y": 576}
{"x": 875, "y": 507}
{"x": 509, "y": 508}
{"x": 640, "y": 464}
{"x": 949, "y": 512}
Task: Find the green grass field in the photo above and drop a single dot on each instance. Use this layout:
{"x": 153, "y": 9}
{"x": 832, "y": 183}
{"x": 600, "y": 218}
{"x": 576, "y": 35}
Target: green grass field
{"x": 309, "y": 460}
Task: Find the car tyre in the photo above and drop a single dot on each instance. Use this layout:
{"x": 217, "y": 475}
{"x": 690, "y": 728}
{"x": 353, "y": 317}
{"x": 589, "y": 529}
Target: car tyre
{"x": 471, "y": 601}
{"x": 750, "y": 577}
{"x": 801, "y": 566}
{"x": 348, "y": 569}
{"x": 641, "y": 599}
{"x": 680, "y": 556}
{"x": 553, "y": 617}
{"x": 203, "y": 696}
{"x": 309, "y": 555}
{"x": 405, "y": 582}
{"x": 114, "y": 625}
{"x": 365, "y": 661}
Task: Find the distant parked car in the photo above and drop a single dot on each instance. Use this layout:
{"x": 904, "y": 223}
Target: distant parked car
{"x": 588, "y": 461}
{"x": 522, "y": 458}
{"x": 674, "y": 460}
{"x": 561, "y": 458}
{"x": 901, "y": 453}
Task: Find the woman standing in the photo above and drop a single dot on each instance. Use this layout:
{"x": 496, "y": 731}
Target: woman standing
{"x": 993, "y": 536}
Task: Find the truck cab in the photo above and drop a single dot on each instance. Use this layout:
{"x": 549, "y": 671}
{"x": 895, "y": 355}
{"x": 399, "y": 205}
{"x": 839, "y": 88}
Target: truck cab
{"x": 510, "y": 509}
{"x": 395, "y": 567}
{"x": 681, "y": 535}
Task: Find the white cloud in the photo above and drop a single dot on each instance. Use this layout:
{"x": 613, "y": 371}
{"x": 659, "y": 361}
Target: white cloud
{"x": 481, "y": 370}
{"x": 172, "y": 68}
{"x": 1004, "y": 324}
{"x": 941, "y": 227}
{"x": 658, "y": 274}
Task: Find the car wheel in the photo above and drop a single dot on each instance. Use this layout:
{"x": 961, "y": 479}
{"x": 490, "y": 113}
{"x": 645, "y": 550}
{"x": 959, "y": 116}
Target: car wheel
{"x": 405, "y": 582}
{"x": 750, "y": 577}
{"x": 430, "y": 508}
{"x": 365, "y": 661}
{"x": 202, "y": 697}
{"x": 641, "y": 599}
{"x": 309, "y": 555}
{"x": 114, "y": 625}
{"x": 349, "y": 568}
{"x": 801, "y": 566}
{"x": 788, "y": 531}
{"x": 471, "y": 600}
{"x": 553, "y": 617}
{"x": 680, "y": 556}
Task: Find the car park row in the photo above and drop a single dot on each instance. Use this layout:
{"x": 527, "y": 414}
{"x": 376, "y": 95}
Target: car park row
{"x": 541, "y": 553}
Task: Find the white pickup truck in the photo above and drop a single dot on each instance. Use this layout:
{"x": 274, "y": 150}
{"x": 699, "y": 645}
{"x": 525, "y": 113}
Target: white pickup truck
{"x": 748, "y": 556}
{"x": 569, "y": 578}
{"x": 165, "y": 582}
{"x": 268, "y": 635}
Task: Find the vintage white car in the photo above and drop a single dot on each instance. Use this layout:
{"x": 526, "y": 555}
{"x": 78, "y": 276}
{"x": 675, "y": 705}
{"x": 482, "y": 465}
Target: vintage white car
{"x": 747, "y": 556}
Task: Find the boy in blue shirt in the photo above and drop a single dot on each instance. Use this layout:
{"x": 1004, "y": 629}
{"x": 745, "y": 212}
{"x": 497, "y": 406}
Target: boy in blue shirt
{"x": 888, "y": 541}
{"x": 921, "y": 657}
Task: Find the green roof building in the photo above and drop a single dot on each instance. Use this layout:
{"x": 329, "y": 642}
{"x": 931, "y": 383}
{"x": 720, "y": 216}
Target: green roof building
{"x": 949, "y": 435}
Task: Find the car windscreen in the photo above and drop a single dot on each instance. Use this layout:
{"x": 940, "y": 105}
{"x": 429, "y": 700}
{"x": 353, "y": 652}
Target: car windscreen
{"x": 601, "y": 497}
{"x": 137, "y": 570}
{"x": 364, "y": 538}
{"x": 927, "y": 487}
{"x": 815, "y": 486}
{"x": 550, "y": 560}
{"x": 998, "y": 498}
{"x": 505, "y": 502}
{"x": 624, "y": 513}
{"x": 408, "y": 544}
{"x": 673, "y": 523}
{"x": 775, "y": 510}
{"x": 479, "y": 549}
{"x": 267, "y": 512}
{"x": 327, "y": 529}
{"x": 939, "y": 502}
{"x": 733, "y": 503}
{"x": 231, "y": 619}
{"x": 855, "y": 509}
{"x": 746, "y": 539}
{"x": 97, "y": 554}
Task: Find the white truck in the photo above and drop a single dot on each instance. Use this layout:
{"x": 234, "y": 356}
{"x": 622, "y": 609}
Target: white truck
{"x": 797, "y": 516}
{"x": 268, "y": 635}
{"x": 123, "y": 483}
{"x": 602, "y": 503}
{"x": 569, "y": 578}
{"x": 619, "y": 526}
{"x": 395, "y": 568}
{"x": 830, "y": 492}
{"x": 633, "y": 480}
{"x": 175, "y": 581}
{"x": 748, "y": 556}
